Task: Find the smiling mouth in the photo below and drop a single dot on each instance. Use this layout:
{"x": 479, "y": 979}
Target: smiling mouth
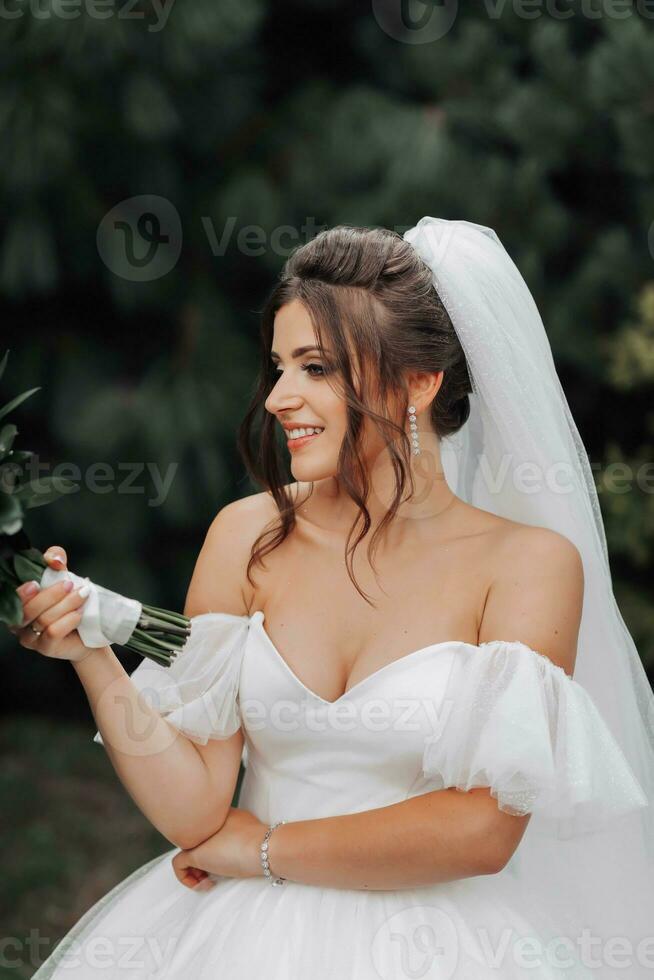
{"x": 305, "y": 437}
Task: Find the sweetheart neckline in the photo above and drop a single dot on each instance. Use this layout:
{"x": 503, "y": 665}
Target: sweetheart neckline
{"x": 258, "y": 617}
{"x": 399, "y": 660}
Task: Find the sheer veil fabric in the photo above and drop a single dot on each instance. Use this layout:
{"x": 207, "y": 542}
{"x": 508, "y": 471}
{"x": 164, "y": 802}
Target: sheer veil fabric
{"x": 520, "y": 455}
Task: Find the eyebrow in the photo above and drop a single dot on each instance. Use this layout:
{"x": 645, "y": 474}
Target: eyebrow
{"x": 299, "y": 351}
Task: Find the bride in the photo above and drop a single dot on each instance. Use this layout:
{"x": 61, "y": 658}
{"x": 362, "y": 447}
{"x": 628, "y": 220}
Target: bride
{"x": 445, "y": 725}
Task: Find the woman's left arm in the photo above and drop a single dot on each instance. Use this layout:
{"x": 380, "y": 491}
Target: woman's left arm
{"x": 438, "y": 836}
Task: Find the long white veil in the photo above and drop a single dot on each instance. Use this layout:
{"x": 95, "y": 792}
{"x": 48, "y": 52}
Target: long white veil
{"x": 520, "y": 456}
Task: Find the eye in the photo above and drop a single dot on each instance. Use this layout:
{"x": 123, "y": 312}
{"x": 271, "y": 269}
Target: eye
{"x": 317, "y": 367}
{"x": 309, "y": 368}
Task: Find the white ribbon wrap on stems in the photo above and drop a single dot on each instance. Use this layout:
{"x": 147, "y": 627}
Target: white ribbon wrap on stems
{"x": 107, "y": 617}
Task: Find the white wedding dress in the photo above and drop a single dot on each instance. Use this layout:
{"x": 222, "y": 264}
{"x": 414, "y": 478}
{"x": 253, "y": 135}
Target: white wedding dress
{"x": 450, "y": 714}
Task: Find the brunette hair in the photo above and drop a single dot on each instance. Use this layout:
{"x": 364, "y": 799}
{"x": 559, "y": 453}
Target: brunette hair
{"x": 366, "y": 290}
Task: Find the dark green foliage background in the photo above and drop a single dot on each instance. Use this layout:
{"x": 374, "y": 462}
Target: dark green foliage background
{"x": 246, "y": 112}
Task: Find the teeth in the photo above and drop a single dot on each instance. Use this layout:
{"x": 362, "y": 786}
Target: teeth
{"x": 298, "y": 433}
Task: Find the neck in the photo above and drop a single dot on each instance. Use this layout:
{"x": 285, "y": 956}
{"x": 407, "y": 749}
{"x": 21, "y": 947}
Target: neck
{"x": 430, "y": 498}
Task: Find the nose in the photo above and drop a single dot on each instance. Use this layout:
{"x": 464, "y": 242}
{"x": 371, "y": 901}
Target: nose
{"x": 282, "y": 397}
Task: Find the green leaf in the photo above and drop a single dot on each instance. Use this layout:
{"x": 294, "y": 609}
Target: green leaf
{"x": 7, "y": 435}
{"x": 6, "y": 570}
{"x": 33, "y": 553}
{"x": 10, "y": 476}
{"x": 24, "y": 568}
{"x": 3, "y": 363}
{"x": 11, "y": 513}
{"x": 38, "y": 492}
{"x": 11, "y": 608}
{"x": 15, "y": 402}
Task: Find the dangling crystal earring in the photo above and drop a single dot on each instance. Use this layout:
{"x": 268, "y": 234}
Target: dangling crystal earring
{"x": 414, "y": 430}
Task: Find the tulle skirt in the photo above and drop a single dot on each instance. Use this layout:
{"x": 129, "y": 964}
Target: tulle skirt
{"x": 150, "y": 927}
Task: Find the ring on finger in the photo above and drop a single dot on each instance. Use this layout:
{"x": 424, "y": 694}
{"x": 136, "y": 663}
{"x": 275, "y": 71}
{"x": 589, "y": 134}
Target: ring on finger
{"x": 36, "y": 631}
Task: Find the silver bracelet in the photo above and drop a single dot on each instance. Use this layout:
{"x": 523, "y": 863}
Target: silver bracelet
{"x": 264, "y": 855}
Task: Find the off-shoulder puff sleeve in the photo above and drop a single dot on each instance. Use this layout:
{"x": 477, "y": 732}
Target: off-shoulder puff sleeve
{"x": 198, "y": 693}
{"x": 514, "y": 721}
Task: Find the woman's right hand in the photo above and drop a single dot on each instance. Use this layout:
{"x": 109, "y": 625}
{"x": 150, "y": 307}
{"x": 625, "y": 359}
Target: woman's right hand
{"x": 56, "y": 611}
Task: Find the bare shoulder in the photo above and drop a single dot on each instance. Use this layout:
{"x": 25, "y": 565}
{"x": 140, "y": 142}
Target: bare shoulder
{"x": 516, "y": 542}
{"x": 536, "y": 593}
{"x": 219, "y": 581}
